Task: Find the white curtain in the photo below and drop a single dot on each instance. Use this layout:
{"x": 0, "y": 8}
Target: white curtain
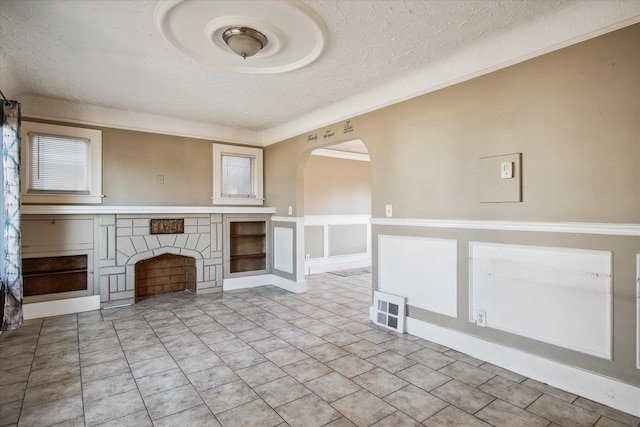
{"x": 11, "y": 267}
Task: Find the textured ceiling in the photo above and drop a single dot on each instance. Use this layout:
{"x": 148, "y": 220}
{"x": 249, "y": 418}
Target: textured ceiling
{"x": 111, "y": 54}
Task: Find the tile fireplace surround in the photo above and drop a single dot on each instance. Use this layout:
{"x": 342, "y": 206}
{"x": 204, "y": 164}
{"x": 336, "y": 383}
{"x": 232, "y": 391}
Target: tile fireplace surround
{"x": 116, "y": 238}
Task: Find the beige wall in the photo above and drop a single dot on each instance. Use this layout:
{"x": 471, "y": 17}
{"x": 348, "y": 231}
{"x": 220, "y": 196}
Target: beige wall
{"x": 132, "y": 162}
{"x": 573, "y": 114}
{"x": 337, "y": 187}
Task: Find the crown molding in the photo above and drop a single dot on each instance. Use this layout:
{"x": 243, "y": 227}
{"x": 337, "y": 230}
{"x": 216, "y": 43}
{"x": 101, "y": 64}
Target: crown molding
{"x": 346, "y": 155}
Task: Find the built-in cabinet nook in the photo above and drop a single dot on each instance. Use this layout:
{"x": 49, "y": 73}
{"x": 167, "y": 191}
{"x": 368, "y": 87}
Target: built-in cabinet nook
{"x": 52, "y": 275}
{"x": 247, "y": 246}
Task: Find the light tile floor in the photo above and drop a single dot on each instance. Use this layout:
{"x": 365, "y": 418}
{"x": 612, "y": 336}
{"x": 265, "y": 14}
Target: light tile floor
{"x": 262, "y": 357}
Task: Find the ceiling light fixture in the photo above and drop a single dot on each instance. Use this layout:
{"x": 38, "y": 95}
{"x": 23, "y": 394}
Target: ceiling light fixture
{"x": 244, "y": 41}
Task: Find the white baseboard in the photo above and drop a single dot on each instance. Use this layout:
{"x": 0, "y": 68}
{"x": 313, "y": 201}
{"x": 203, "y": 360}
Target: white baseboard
{"x": 263, "y": 280}
{"x": 604, "y": 390}
{"x": 289, "y": 285}
{"x": 245, "y": 282}
{"x": 37, "y": 310}
{"x": 318, "y": 266}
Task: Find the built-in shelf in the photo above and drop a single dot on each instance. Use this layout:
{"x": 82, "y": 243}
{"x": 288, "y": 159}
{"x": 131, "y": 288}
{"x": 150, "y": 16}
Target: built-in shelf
{"x": 51, "y": 275}
{"x": 247, "y": 246}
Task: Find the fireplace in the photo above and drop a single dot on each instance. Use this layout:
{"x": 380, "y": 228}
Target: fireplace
{"x": 164, "y": 273}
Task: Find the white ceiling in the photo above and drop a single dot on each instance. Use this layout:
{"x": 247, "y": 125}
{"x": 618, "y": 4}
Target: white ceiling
{"x": 106, "y": 62}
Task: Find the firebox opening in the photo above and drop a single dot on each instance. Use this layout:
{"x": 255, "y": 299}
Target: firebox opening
{"x": 164, "y": 273}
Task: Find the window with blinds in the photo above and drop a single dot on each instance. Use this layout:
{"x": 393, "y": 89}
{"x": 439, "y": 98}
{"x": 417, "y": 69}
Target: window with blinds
{"x": 59, "y": 164}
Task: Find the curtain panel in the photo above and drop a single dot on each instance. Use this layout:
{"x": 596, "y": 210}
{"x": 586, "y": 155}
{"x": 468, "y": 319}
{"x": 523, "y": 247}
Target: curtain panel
{"x": 11, "y": 267}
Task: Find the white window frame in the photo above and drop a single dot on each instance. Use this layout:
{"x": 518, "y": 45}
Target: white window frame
{"x": 94, "y": 164}
{"x": 255, "y": 154}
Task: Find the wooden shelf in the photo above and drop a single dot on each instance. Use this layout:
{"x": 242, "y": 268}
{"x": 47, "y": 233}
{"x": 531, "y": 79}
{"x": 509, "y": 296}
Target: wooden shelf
{"x": 260, "y": 255}
{"x": 247, "y": 246}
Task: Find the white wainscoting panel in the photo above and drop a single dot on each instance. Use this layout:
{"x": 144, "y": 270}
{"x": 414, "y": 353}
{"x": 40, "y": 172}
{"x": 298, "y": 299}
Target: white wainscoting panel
{"x": 283, "y": 249}
{"x": 424, "y": 270}
{"x": 560, "y": 296}
{"x": 337, "y": 258}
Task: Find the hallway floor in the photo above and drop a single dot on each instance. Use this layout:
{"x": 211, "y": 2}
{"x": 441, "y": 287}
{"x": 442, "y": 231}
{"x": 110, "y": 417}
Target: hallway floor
{"x": 263, "y": 357}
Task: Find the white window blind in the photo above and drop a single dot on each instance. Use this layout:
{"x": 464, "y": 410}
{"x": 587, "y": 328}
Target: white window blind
{"x": 59, "y": 164}
{"x": 237, "y": 176}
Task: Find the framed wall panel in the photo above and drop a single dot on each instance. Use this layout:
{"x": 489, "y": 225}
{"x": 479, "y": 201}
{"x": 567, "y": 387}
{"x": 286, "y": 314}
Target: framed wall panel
{"x": 283, "y": 249}
{"x": 560, "y": 296}
{"x": 424, "y": 270}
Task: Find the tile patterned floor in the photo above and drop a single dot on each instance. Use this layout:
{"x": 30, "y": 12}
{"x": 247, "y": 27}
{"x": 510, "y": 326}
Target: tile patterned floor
{"x": 263, "y": 357}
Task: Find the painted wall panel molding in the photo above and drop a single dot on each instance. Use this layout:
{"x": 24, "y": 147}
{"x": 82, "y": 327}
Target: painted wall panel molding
{"x": 561, "y": 296}
{"x": 283, "y": 249}
{"x": 424, "y": 270}
{"x": 541, "y": 227}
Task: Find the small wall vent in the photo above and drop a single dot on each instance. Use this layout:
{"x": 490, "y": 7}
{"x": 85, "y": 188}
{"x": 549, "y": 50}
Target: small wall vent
{"x": 388, "y": 311}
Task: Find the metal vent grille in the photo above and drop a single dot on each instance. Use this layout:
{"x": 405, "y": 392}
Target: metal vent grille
{"x": 389, "y": 311}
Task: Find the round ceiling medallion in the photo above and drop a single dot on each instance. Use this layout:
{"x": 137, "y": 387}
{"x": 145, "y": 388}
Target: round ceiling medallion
{"x": 295, "y": 33}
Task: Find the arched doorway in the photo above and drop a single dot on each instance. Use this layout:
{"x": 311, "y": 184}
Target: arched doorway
{"x": 337, "y": 207}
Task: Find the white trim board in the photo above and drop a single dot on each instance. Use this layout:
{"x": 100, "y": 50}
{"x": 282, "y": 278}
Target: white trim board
{"x": 604, "y": 390}
{"x": 541, "y": 227}
{"x": 37, "y": 310}
{"x": 247, "y": 282}
{"x": 343, "y": 262}
{"x": 338, "y": 154}
{"x": 310, "y": 220}
{"x": 295, "y": 219}
{"x": 103, "y": 210}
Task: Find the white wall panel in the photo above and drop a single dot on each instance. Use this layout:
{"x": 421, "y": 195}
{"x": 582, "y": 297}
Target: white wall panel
{"x": 423, "y": 270}
{"x": 561, "y": 296}
{"x": 283, "y": 249}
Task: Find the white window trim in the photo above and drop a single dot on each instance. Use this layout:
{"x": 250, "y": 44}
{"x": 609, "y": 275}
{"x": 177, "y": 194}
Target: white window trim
{"x": 94, "y": 165}
{"x": 256, "y": 153}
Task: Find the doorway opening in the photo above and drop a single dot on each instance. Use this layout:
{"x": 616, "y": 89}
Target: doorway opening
{"x": 337, "y": 207}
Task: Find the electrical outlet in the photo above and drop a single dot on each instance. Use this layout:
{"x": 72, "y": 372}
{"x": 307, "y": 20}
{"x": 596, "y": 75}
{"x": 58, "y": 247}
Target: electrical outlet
{"x": 481, "y": 318}
{"x": 388, "y": 209}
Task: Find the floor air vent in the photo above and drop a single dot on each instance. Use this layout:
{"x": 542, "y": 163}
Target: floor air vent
{"x": 388, "y": 311}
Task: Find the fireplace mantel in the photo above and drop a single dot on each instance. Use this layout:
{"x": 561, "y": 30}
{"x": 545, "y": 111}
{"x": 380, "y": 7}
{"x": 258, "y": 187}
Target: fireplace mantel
{"x": 106, "y": 210}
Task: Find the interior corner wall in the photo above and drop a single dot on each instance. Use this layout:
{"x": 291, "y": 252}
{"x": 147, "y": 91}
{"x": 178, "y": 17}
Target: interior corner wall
{"x": 573, "y": 116}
